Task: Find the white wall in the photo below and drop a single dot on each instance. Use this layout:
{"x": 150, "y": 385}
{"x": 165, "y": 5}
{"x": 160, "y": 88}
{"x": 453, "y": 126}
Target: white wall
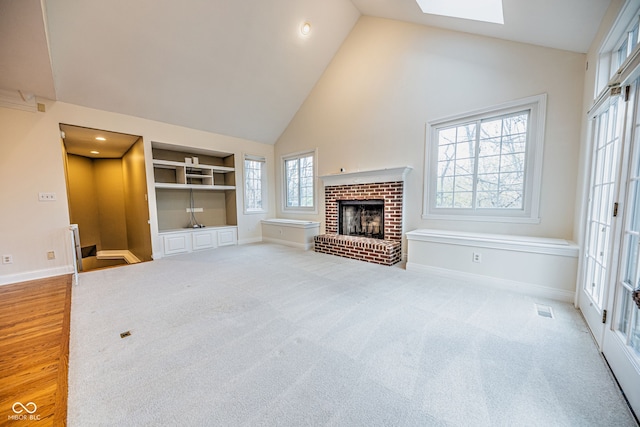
{"x": 31, "y": 161}
{"x": 369, "y": 110}
{"x": 536, "y": 266}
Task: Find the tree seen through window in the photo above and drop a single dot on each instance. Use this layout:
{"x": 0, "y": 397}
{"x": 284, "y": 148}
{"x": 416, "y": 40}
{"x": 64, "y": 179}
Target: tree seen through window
{"x": 481, "y": 165}
{"x": 299, "y": 181}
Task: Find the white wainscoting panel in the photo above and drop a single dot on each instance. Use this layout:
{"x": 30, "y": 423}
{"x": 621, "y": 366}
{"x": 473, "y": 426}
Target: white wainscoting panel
{"x": 541, "y": 267}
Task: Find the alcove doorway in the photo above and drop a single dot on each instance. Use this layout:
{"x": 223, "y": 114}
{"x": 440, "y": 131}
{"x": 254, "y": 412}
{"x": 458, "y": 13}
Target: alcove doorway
{"x": 107, "y": 194}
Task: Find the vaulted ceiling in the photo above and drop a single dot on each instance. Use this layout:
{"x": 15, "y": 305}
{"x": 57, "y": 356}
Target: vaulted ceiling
{"x": 234, "y": 67}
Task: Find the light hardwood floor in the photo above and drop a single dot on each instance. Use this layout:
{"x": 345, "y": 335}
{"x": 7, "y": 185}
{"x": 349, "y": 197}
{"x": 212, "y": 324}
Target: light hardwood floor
{"x": 34, "y": 351}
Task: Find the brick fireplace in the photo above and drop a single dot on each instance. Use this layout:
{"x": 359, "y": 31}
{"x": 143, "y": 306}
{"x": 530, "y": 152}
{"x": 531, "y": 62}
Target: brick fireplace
{"x": 362, "y": 189}
{"x": 364, "y": 218}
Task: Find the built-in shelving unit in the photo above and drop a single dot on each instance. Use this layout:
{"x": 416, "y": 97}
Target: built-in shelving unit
{"x": 173, "y": 174}
{"x": 194, "y": 187}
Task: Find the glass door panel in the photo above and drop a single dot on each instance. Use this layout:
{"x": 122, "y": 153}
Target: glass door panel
{"x": 621, "y": 340}
{"x": 602, "y": 195}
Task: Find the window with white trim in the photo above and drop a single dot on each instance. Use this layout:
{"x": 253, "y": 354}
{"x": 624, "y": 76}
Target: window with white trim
{"x": 486, "y": 165}
{"x": 254, "y": 184}
{"x": 627, "y": 44}
{"x": 299, "y": 181}
{"x": 618, "y": 46}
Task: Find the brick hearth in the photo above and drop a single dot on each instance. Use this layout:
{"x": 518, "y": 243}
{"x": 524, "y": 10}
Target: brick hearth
{"x": 387, "y": 251}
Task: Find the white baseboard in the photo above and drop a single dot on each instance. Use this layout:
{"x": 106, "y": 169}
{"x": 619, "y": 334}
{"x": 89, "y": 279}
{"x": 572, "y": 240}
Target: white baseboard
{"x": 303, "y": 246}
{"x": 497, "y": 283}
{"x": 250, "y": 240}
{"x": 34, "y": 275}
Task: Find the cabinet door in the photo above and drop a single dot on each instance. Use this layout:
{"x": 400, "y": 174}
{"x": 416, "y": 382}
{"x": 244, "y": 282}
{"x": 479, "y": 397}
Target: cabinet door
{"x": 204, "y": 240}
{"x": 227, "y": 237}
{"x": 175, "y": 244}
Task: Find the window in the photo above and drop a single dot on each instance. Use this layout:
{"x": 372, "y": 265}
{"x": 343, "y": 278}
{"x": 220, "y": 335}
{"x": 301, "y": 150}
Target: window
{"x": 627, "y": 44}
{"x": 299, "y": 181}
{"x": 477, "y": 10}
{"x": 254, "y": 184}
{"x": 619, "y": 49}
{"x": 486, "y": 165}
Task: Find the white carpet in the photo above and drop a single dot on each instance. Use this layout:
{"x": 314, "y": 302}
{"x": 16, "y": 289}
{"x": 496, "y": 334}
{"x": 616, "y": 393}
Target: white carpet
{"x": 269, "y": 335}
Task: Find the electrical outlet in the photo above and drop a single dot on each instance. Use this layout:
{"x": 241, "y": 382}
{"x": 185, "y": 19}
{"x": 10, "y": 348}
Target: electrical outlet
{"x": 477, "y": 257}
{"x": 47, "y": 197}
{"x": 51, "y": 255}
{"x": 7, "y": 259}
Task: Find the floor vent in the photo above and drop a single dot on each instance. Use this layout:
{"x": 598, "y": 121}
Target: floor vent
{"x": 544, "y": 311}
{"x": 125, "y": 334}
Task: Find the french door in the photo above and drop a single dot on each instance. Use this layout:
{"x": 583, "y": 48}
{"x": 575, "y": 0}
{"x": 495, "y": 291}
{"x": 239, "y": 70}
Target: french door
{"x": 621, "y": 346}
{"x": 611, "y": 264}
{"x": 606, "y": 134}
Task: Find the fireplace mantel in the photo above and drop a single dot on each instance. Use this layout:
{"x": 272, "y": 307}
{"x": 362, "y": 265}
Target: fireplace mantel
{"x": 366, "y": 177}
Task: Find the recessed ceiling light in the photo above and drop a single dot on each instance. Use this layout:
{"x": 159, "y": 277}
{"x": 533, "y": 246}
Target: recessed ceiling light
{"x": 476, "y": 10}
{"x": 305, "y": 29}
{"x": 101, "y": 138}
{"x": 94, "y": 152}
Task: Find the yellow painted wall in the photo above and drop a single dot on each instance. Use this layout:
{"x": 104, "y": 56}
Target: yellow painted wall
{"x": 109, "y": 193}
{"x": 136, "y": 202}
{"x": 83, "y": 202}
{"x": 97, "y": 203}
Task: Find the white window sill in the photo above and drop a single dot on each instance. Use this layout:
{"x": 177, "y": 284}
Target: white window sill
{"x": 509, "y": 219}
{"x": 300, "y": 211}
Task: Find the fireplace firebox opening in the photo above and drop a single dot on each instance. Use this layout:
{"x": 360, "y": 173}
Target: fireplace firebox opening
{"x": 363, "y": 218}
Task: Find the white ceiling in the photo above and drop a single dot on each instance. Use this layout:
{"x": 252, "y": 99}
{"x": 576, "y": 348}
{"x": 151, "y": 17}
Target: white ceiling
{"x": 561, "y": 24}
{"x": 233, "y": 67}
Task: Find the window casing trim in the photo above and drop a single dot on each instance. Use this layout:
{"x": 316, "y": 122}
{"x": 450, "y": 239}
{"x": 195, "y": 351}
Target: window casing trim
{"x": 530, "y": 213}
{"x": 300, "y": 209}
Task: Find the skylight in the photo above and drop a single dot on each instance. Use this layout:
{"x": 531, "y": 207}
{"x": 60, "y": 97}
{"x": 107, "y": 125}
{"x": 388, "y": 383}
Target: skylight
{"x": 477, "y": 10}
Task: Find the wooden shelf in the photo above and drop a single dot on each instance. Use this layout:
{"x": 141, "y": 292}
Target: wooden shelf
{"x": 167, "y": 185}
{"x": 167, "y": 163}
{"x": 181, "y": 175}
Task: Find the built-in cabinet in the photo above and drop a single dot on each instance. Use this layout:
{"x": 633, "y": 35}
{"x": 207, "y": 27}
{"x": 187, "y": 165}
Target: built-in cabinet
{"x": 195, "y": 198}
{"x": 184, "y": 241}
